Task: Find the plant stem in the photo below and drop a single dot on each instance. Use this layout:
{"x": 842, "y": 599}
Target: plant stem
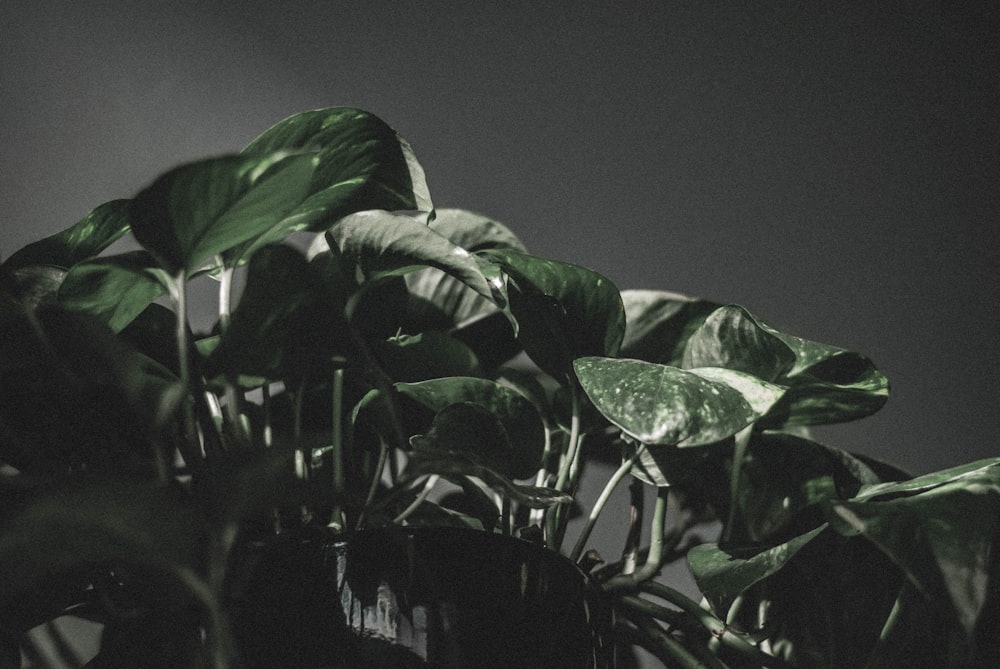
{"x": 537, "y": 516}
{"x": 629, "y": 582}
{"x": 671, "y": 651}
{"x": 559, "y": 516}
{"x": 636, "y": 512}
{"x": 573, "y": 447}
{"x": 598, "y": 507}
{"x": 428, "y": 486}
{"x": 719, "y": 630}
{"x": 337, "y": 448}
{"x": 179, "y": 297}
{"x": 383, "y": 453}
{"x": 741, "y": 443}
{"x": 225, "y": 296}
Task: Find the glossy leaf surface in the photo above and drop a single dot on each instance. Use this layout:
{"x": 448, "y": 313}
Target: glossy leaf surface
{"x": 116, "y": 289}
{"x": 288, "y": 321}
{"x": 87, "y": 238}
{"x": 843, "y": 387}
{"x": 441, "y": 296}
{"x": 363, "y": 164}
{"x": 521, "y": 422}
{"x": 732, "y": 338}
{"x": 563, "y": 311}
{"x": 386, "y": 243}
{"x": 941, "y": 529}
{"x": 657, "y": 404}
{"x": 722, "y": 575}
{"x": 202, "y": 209}
{"x": 659, "y": 324}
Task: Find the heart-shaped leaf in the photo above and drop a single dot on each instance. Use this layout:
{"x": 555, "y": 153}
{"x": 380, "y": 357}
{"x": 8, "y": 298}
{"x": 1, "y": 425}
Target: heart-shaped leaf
{"x": 723, "y": 575}
{"x": 732, "y": 338}
{"x": 87, "y": 238}
{"x": 288, "y": 320}
{"x": 427, "y": 355}
{"x": 474, "y": 232}
{"x": 384, "y": 243}
{"x": 657, "y": 404}
{"x": 518, "y": 416}
{"x": 202, "y": 209}
{"x": 844, "y": 386}
{"x": 439, "y": 297}
{"x": 563, "y": 311}
{"x": 362, "y": 162}
{"x": 941, "y": 529}
{"x": 659, "y": 324}
{"x": 116, "y": 289}
{"x": 784, "y": 483}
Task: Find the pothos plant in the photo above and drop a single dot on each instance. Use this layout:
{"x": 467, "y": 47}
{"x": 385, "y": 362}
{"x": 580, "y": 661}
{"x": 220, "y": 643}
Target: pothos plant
{"x": 378, "y": 362}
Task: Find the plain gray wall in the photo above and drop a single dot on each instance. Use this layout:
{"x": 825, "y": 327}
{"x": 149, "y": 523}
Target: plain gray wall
{"x": 832, "y": 166}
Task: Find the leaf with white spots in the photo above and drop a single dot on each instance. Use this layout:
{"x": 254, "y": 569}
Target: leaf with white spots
{"x": 657, "y": 404}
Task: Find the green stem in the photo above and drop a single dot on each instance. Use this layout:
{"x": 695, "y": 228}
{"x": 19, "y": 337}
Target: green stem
{"x": 740, "y": 446}
{"x": 673, "y": 652}
{"x": 428, "y": 486}
{"x": 383, "y": 453}
{"x": 337, "y": 521}
{"x": 225, "y": 296}
{"x": 573, "y": 448}
{"x": 179, "y": 296}
{"x": 636, "y": 512}
{"x": 629, "y": 582}
{"x": 719, "y": 630}
{"x": 613, "y": 482}
{"x": 559, "y": 515}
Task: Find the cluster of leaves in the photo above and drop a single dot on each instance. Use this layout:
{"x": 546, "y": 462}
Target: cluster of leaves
{"x": 389, "y": 363}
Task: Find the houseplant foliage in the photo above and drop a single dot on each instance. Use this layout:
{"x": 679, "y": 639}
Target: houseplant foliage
{"x": 377, "y": 362}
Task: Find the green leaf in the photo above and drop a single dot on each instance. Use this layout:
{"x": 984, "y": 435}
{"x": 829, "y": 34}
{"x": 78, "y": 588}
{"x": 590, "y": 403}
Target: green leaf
{"x": 363, "y": 164}
{"x": 845, "y": 386}
{"x": 85, "y": 521}
{"x": 471, "y": 431}
{"x": 441, "y": 301}
{"x": 659, "y": 324}
{"x": 973, "y": 471}
{"x": 427, "y": 355}
{"x": 657, "y": 404}
{"x": 723, "y": 575}
{"x": 116, "y": 289}
{"x": 289, "y": 319}
{"x": 759, "y": 394}
{"x": 941, "y": 529}
{"x": 563, "y": 311}
{"x": 732, "y": 338}
{"x": 474, "y": 232}
{"x": 202, "y": 209}
{"x": 392, "y": 244}
{"x": 784, "y": 483}
{"x": 108, "y": 398}
{"x": 87, "y": 238}
{"x": 520, "y": 420}
{"x": 28, "y": 287}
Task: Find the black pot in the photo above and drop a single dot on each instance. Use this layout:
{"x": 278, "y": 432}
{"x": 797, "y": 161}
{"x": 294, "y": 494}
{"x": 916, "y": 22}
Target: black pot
{"x": 414, "y": 597}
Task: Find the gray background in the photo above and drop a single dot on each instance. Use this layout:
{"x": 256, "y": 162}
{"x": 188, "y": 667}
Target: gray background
{"x": 832, "y": 166}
